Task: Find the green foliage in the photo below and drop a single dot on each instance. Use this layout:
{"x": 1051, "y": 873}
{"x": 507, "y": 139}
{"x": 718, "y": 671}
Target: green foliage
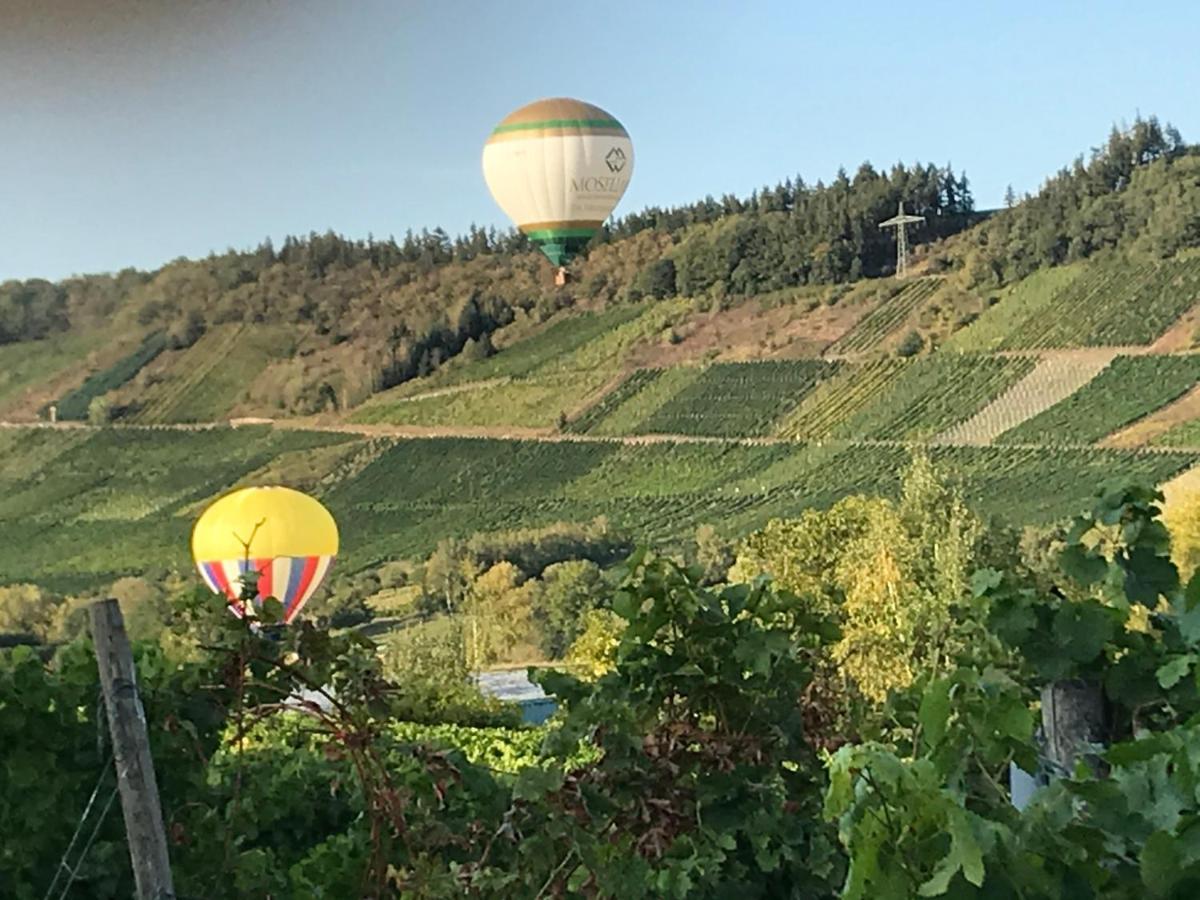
{"x": 912, "y": 344}
{"x": 76, "y": 404}
{"x": 704, "y": 782}
{"x": 1129, "y": 388}
{"x": 567, "y": 593}
{"x": 1136, "y": 191}
{"x": 1186, "y": 434}
{"x": 931, "y": 817}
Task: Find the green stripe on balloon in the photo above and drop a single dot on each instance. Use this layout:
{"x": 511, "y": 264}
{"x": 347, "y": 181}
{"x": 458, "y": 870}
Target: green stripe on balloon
{"x": 558, "y": 123}
{"x": 557, "y": 234}
{"x": 561, "y": 245}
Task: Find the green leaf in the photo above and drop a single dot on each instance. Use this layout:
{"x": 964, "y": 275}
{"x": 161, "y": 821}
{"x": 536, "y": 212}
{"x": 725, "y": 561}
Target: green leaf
{"x": 965, "y": 855}
{"x": 1170, "y": 674}
{"x": 1149, "y": 575}
{"x": 625, "y": 605}
{"x": 1160, "y": 863}
{"x": 1083, "y": 565}
{"x": 984, "y": 580}
{"x": 1083, "y": 628}
{"x": 934, "y": 714}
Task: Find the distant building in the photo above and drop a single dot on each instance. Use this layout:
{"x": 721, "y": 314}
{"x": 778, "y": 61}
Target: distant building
{"x": 515, "y": 687}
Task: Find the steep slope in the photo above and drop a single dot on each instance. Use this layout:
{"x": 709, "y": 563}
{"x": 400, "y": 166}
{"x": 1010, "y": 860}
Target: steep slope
{"x": 1057, "y": 376}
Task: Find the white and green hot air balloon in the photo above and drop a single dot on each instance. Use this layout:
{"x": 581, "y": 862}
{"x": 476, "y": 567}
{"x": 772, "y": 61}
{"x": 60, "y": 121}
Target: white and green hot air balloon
{"x": 557, "y": 168}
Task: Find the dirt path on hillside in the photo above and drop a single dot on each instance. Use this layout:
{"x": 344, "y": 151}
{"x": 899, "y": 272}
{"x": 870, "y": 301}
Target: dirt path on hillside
{"x": 1181, "y": 335}
{"x": 412, "y": 432}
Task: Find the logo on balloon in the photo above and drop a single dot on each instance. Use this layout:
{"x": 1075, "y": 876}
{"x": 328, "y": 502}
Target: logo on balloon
{"x": 615, "y": 159}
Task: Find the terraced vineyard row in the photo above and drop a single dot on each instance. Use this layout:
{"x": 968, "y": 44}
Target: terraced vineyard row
{"x": 82, "y": 508}
{"x": 738, "y": 399}
{"x": 633, "y": 384}
{"x": 535, "y": 401}
{"x": 75, "y": 404}
{"x": 629, "y": 416}
{"x": 838, "y": 399}
{"x": 1016, "y": 304}
{"x": 1129, "y": 388}
{"x": 929, "y": 395}
{"x": 195, "y": 363}
{"x": 882, "y": 321}
{"x": 1111, "y": 304}
{"x": 1054, "y": 379}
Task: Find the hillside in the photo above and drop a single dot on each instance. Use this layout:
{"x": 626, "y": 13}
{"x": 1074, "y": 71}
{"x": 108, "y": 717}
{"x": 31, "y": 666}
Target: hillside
{"x": 720, "y": 364}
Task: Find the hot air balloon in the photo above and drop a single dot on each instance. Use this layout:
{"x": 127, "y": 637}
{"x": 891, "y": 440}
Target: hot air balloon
{"x": 286, "y": 538}
{"x": 557, "y": 168}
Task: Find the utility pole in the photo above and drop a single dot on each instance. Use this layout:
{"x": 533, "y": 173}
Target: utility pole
{"x": 131, "y": 754}
{"x": 900, "y": 222}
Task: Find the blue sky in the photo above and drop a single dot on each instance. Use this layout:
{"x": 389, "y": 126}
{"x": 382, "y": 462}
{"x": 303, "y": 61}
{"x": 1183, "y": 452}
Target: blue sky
{"x": 128, "y": 139}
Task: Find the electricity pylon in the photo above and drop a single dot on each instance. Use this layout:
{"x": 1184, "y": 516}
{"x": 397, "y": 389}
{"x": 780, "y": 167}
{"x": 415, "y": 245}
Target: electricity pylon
{"x": 901, "y": 222}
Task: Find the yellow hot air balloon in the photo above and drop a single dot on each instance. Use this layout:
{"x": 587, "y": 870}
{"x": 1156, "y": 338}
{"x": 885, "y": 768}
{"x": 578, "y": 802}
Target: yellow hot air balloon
{"x": 558, "y": 168}
{"x": 286, "y": 538}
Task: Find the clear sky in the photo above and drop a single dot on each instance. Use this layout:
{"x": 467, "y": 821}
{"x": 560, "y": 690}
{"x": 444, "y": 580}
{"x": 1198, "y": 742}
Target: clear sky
{"x": 136, "y": 131}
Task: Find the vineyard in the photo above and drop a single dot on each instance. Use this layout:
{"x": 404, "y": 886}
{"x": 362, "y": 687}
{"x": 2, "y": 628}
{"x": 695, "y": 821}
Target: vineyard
{"x": 75, "y": 404}
{"x": 206, "y": 381}
{"x": 1129, "y": 388}
{"x": 1055, "y": 378}
{"x": 25, "y": 367}
{"x": 737, "y": 399}
{"x": 1113, "y": 304}
{"x": 885, "y": 319}
{"x": 838, "y": 399}
{"x": 1185, "y": 435}
{"x": 536, "y": 401}
{"x": 551, "y": 343}
{"x": 84, "y": 507}
{"x": 640, "y": 394}
{"x": 1024, "y": 301}
{"x": 929, "y": 395}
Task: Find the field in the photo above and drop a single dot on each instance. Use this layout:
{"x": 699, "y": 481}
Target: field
{"x": 928, "y": 395}
{"x": 83, "y": 507}
{"x": 1131, "y": 387}
{"x": 882, "y": 321}
{"x": 641, "y": 394}
{"x": 552, "y": 342}
{"x": 840, "y": 398}
{"x": 530, "y": 384}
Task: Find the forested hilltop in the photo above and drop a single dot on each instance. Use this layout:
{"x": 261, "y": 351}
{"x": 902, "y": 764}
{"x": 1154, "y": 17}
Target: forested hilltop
{"x": 321, "y": 323}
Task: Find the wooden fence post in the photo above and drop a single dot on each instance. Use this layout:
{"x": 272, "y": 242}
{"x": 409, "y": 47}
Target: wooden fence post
{"x": 131, "y": 753}
{"x": 1073, "y": 716}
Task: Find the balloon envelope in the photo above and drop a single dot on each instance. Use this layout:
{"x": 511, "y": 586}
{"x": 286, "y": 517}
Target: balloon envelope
{"x": 285, "y": 538}
{"x": 558, "y": 168}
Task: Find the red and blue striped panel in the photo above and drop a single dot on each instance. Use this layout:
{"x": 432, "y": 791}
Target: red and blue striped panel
{"x": 289, "y": 579}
